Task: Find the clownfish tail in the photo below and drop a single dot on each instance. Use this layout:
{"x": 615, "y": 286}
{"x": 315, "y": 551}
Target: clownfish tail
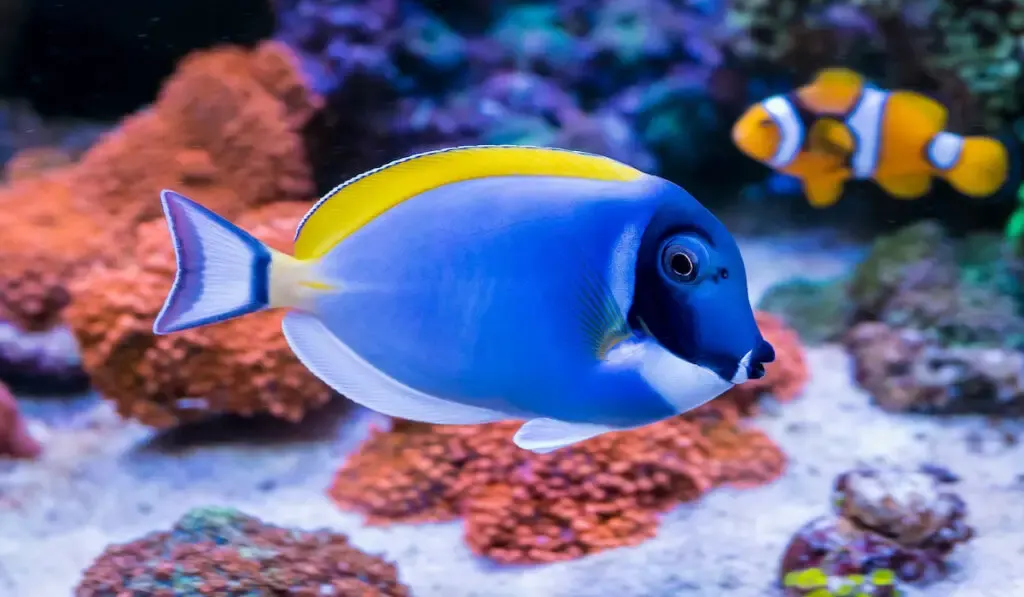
{"x": 976, "y": 166}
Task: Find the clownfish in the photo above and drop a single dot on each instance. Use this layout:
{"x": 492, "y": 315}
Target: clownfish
{"x": 485, "y": 283}
{"x": 837, "y": 128}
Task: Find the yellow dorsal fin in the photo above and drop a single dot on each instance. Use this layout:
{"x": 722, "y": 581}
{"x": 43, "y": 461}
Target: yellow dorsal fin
{"x": 839, "y": 76}
{"x": 352, "y": 204}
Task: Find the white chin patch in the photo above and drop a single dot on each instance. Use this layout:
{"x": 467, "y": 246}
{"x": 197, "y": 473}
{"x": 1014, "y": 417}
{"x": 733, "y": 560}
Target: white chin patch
{"x": 743, "y": 370}
{"x": 682, "y": 383}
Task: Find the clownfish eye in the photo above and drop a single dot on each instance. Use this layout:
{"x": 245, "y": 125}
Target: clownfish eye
{"x": 766, "y": 123}
{"x": 680, "y": 264}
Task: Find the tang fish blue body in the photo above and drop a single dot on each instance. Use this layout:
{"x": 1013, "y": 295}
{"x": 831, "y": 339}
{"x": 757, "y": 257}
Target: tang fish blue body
{"x": 486, "y": 283}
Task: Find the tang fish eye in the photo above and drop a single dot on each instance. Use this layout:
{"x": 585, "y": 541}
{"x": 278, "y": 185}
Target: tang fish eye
{"x": 680, "y": 264}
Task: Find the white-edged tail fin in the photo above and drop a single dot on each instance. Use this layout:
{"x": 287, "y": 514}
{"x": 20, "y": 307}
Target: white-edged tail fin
{"x": 223, "y": 271}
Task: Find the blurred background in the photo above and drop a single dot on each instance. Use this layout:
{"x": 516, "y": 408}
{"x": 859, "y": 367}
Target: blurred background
{"x": 892, "y": 411}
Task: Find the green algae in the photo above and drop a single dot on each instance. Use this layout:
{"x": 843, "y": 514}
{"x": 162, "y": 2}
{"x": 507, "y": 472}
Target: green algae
{"x": 962, "y": 292}
{"x": 815, "y": 582}
{"x": 819, "y": 311}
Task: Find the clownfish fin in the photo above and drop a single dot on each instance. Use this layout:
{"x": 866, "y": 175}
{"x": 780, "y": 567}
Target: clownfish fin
{"x": 906, "y": 186}
{"x": 982, "y": 169}
{"x": 838, "y": 75}
{"x": 832, "y": 91}
{"x": 831, "y": 137}
{"x": 823, "y": 191}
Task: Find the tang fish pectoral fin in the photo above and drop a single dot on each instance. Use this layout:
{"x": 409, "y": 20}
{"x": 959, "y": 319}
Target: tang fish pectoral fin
{"x": 547, "y": 435}
{"x": 346, "y": 372}
{"x": 605, "y": 297}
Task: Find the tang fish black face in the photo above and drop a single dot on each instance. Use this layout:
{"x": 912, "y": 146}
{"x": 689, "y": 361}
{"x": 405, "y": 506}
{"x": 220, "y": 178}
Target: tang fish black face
{"x": 691, "y": 293}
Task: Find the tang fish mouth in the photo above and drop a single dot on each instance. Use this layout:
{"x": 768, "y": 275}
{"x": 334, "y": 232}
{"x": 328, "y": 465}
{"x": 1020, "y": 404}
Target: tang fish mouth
{"x": 751, "y": 366}
{"x": 745, "y": 372}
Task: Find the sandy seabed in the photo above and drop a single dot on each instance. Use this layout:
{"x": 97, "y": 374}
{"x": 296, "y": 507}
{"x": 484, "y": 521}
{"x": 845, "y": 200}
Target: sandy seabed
{"x": 103, "y": 480}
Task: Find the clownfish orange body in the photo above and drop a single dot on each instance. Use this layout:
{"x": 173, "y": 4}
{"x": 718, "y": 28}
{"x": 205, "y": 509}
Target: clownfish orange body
{"x": 838, "y": 128}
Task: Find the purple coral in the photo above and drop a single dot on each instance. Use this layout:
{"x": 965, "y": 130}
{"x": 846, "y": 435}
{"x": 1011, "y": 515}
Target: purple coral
{"x": 884, "y": 519}
{"x": 339, "y": 40}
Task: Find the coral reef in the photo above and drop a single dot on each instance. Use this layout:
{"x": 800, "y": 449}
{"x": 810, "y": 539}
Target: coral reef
{"x": 940, "y": 327}
{"x": 521, "y": 507}
{"x": 933, "y": 323}
{"x": 535, "y": 73}
{"x": 15, "y": 440}
{"x": 907, "y": 370}
{"x": 603, "y": 493}
{"x": 226, "y": 129}
{"x": 242, "y": 366}
{"x": 965, "y": 53}
{"x": 919, "y": 277}
{"x": 980, "y": 44}
{"x": 888, "y": 524}
{"x": 820, "y": 310}
{"x": 221, "y": 552}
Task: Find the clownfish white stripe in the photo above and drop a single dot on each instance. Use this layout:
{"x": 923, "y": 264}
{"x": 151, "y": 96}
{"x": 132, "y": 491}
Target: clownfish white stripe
{"x": 944, "y": 150}
{"x": 865, "y": 122}
{"x": 791, "y": 130}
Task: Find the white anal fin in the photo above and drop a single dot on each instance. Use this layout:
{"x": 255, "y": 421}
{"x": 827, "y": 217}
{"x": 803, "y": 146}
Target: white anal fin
{"x": 547, "y": 435}
{"x": 340, "y": 367}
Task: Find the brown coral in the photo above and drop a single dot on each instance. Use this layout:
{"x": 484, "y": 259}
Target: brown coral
{"x": 241, "y": 366}
{"x": 226, "y": 128}
{"x": 603, "y": 493}
{"x": 221, "y": 552}
{"x": 885, "y": 519}
{"x": 908, "y": 370}
{"x": 15, "y": 440}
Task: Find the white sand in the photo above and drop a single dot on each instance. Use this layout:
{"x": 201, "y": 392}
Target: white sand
{"x": 104, "y": 481}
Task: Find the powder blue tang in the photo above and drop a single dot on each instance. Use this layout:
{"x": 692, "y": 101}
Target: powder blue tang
{"x": 579, "y": 303}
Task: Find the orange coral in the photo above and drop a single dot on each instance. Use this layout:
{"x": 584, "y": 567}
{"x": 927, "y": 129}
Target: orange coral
{"x": 49, "y": 233}
{"x": 241, "y": 366}
{"x": 226, "y": 128}
{"x": 603, "y": 493}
